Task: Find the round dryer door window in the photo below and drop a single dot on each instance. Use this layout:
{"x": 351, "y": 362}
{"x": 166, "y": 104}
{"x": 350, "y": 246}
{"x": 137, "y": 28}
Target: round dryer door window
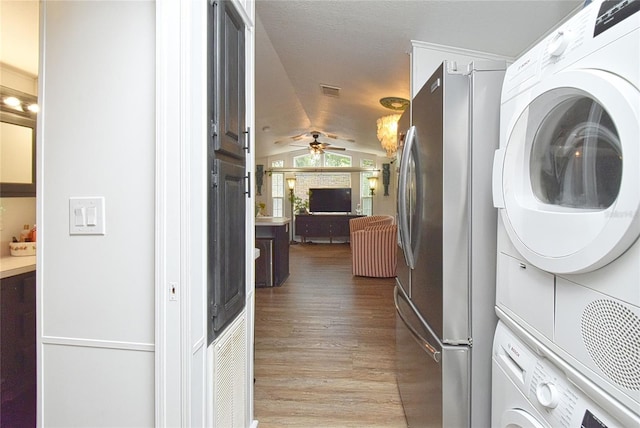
{"x": 570, "y": 177}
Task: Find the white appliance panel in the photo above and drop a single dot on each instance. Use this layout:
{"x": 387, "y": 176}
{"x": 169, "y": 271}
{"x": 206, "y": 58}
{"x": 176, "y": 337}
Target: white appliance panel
{"x": 526, "y": 293}
{"x": 532, "y": 387}
{"x": 602, "y": 334}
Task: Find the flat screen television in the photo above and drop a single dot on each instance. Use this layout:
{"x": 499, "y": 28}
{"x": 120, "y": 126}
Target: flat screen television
{"x": 336, "y": 200}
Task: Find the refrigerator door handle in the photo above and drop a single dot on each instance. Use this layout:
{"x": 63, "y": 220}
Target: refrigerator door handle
{"x": 424, "y": 343}
{"x": 403, "y": 220}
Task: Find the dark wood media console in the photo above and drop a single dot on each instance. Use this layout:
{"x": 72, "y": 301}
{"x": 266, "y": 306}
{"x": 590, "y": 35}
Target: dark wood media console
{"x": 323, "y": 226}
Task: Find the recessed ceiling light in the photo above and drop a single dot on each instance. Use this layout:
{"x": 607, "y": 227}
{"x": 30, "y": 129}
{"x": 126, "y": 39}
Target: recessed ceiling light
{"x": 12, "y": 101}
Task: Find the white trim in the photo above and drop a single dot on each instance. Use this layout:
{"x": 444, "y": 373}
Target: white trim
{"x": 168, "y": 408}
{"x": 241, "y": 7}
{"x": 185, "y": 209}
{"x": 460, "y": 51}
{"x": 198, "y": 345}
{"x": 250, "y": 46}
{"x": 91, "y": 343}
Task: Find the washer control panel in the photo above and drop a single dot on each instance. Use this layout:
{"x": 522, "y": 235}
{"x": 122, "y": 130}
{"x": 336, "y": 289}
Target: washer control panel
{"x": 546, "y": 386}
{"x": 590, "y": 30}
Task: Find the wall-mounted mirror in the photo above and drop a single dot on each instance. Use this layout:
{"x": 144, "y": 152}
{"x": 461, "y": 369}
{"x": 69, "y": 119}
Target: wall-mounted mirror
{"x": 17, "y": 143}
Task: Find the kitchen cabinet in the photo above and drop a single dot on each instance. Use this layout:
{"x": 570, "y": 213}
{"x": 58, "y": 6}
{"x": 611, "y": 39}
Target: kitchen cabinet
{"x": 227, "y": 109}
{"x": 323, "y": 226}
{"x": 276, "y": 230}
{"x": 227, "y": 282}
{"x": 18, "y": 350}
{"x": 228, "y": 180}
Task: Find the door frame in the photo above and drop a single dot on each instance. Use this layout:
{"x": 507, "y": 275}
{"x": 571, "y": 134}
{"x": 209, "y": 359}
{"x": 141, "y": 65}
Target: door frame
{"x": 180, "y": 219}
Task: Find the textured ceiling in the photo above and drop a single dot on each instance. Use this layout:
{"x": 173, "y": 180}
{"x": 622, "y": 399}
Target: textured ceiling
{"x": 362, "y": 47}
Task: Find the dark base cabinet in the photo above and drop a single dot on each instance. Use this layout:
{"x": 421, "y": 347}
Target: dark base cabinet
{"x": 264, "y": 263}
{"x": 275, "y": 260}
{"x": 323, "y": 226}
{"x": 18, "y": 350}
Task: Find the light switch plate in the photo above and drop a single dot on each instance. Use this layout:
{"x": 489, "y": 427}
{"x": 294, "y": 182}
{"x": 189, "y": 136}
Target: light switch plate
{"x": 92, "y": 219}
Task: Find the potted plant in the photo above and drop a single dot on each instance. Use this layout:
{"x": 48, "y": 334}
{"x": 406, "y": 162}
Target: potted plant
{"x": 300, "y": 206}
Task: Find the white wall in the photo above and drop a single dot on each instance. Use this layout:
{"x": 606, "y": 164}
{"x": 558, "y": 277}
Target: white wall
{"x": 97, "y": 138}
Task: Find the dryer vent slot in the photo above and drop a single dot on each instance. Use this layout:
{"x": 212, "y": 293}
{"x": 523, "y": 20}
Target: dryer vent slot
{"x": 611, "y": 334}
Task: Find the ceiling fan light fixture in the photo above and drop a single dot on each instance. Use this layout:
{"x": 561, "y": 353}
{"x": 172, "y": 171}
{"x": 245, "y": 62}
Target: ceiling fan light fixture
{"x": 315, "y": 151}
{"x": 388, "y": 133}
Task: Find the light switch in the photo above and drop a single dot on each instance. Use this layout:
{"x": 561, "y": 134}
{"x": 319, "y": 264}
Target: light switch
{"x": 79, "y": 216}
{"x": 92, "y": 216}
{"x": 86, "y": 216}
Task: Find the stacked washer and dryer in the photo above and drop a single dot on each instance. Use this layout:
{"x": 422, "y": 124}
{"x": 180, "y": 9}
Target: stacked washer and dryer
{"x": 567, "y": 185}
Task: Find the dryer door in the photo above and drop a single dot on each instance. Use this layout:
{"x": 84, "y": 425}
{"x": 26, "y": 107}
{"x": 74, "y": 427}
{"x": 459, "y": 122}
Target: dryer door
{"x": 569, "y": 179}
{"x": 518, "y": 418}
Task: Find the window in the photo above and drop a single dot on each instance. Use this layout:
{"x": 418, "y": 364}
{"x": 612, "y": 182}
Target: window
{"x": 335, "y": 159}
{"x": 277, "y": 190}
{"x": 307, "y": 160}
{"x": 310, "y": 180}
{"x": 325, "y": 159}
{"x": 366, "y": 200}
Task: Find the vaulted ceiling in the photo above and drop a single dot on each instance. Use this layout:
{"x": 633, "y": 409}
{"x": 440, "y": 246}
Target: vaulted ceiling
{"x": 362, "y": 47}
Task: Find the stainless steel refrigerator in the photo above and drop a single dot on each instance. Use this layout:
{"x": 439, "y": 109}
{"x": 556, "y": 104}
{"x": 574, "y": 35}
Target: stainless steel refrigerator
{"x": 445, "y": 289}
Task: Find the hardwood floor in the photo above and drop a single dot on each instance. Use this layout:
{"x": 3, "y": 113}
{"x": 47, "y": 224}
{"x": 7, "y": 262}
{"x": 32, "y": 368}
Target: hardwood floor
{"x": 325, "y": 346}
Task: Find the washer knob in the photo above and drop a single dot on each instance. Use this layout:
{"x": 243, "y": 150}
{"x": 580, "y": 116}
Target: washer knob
{"x": 548, "y": 395}
{"x": 558, "y": 44}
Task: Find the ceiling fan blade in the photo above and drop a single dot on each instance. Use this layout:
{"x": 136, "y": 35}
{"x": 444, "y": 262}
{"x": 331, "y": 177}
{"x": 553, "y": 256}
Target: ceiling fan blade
{"x": 288, "y": 140}
{"x": 334, "y": 148}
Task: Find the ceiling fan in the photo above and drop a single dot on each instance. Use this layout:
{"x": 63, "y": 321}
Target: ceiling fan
{"x": 315, "y": 134}
{"x": 316, "y": 147}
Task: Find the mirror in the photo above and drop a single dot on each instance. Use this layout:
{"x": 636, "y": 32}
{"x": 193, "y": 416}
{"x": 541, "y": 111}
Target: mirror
{"x": 17, "y": 145}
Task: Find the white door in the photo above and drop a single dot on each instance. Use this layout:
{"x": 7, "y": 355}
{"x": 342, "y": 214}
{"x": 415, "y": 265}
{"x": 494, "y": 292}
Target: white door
{"x": 568, "y": 181}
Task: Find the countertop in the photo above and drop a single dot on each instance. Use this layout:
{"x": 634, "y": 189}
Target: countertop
{"x": 272, "y": 221}
{"x": 11, "y": 265}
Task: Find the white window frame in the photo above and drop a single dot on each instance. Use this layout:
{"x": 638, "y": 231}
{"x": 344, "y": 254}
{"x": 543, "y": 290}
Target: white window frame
{"x": 277, "y": 190}
{"x": 366, "y": 200}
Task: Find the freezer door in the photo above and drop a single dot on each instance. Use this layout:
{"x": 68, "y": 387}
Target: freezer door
{"x": 433, "y": 380}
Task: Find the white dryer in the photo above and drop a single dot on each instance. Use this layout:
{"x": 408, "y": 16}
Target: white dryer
{"x": 533, "y": 388}
{"x": 567, "y": 185}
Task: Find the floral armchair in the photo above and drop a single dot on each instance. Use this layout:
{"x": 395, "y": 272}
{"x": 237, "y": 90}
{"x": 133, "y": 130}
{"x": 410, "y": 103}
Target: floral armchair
{"x": 374, "y": 246}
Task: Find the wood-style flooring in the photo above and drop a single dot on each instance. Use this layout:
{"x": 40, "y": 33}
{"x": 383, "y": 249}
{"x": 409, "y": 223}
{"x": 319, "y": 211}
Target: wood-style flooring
{"x": 325, "y": 346}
